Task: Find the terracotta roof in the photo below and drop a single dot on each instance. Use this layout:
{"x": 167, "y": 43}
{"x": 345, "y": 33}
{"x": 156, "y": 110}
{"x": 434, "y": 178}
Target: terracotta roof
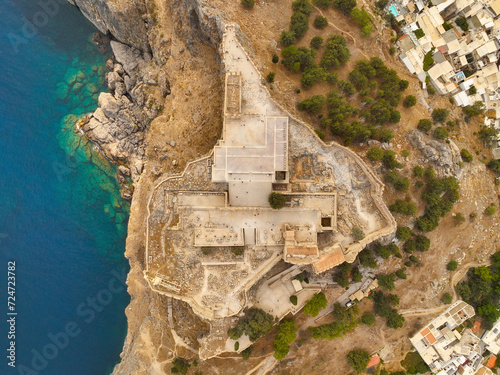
{"x": 329, "y": 260}
{"x": 375, "y": 360}
{"x": 431, "y": 338}
{"x": 492, "y": 361}
{"x": 425, "y": 332}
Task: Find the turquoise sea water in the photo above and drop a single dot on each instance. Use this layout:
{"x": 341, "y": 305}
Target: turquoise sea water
{"x": 61, "y": 217}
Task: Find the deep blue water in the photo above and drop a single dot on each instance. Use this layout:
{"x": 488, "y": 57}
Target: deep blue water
{"x": 61, "y": 217}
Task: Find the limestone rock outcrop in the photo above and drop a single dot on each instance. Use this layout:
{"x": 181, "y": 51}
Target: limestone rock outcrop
{"x": 444, "y": 156}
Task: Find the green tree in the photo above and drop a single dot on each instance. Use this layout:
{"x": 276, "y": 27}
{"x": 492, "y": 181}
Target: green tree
{"x": 255, "y": 324}
{"x": 357, "y": 234}
{"x": 452, "y": 265}
{"x": 401, "y": 274}
{"x": 473, "y": 110}
{"x": 336, "y": 52}
{"x": 303, "y": 6}
{"x": 322, "y": 3}
{"x": 313, "y": 104}
{"x": 299, "y": 24}
{"x": 293, "y": 300}
{"x": 275, "y": 58}
{"x": 277, "y": 200}
{"x": 368, "y": 319}
{"x": 419, "y": 33}
{"x": 440, "y": 133}
{"x": 248, "y": 3}
{"x": 312, "y": 75}
{"x": 363, "y": 19}
{"x": 386, "y": 135}
{"x": 320, "y": 22}
{"x": 286, "y": 335}
{"x": 428, "y": 61}
{"x": 316, "y": 42}
{"x": 424, "y": 125}
{"x": 356, "y": 275}
{"x": 487, "y": 133}
{"x": 389, "y": 160}
{"x": 346, "y": 6}
{"x": 422, "y": 243}
{"x": 358, "y": 360}
{"x": 446, "y": 298}
{"x": 403, "y": 233}
{"x": 347, "y": 88}
{"x": 402, "y": 207}
{"x": 287, "y": 38}
{"x": 386, "y": 281}
{"x": 315, "y": 304}
{"x": 462, "y": 23}
{"x": 418, "y": 171}
{"x": 410, "y": 101}
{"x": 367, "y": 259}
{"x": 245, "y": 354}
{"x": 394, "y": 320}
{"x": 180, "y": 366}
{"x": 466, "y": 155}
{"x": 403, "y": 85}
{"x": 440, "y": 115}
{"x": 375, "y": 153}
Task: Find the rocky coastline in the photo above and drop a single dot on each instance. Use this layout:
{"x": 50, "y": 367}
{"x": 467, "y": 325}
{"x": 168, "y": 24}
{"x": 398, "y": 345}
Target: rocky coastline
{"x": 148, "y": 44}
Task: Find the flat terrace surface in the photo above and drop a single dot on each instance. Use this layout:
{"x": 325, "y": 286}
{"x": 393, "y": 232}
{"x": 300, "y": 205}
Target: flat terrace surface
{"x": 268, "y": 224}
{"x": 252, "y": 145}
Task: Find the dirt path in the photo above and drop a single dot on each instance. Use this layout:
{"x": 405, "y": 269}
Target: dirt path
{"x": 343, "y": 32}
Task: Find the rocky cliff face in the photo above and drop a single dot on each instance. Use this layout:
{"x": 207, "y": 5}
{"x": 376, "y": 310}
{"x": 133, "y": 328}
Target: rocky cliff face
{"x": 125, "y": 20}
{"x": 162, "y": 110}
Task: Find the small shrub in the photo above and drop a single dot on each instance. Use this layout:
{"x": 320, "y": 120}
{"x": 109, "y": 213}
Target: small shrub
{"x": 431, "y": 90}
{"x": 276, "y": 59}
{"x": 270, "y": 77}
{"x": 236, "y": 346}
{"x": 413, "y": 259}
{"x": 375, "y": 153}
{"x": 424, "y": 125}
{"x": 446, "y": 298}
{"x": 357, "y": 234}
{"x": 321, "y": 134}
{"x": 392, "y": 50}
{"x": 440, "y": 115}
{"x": 386, "y": 135}
{"x": 418, "y": 171}
{"x": 180, "y": 366}
{"x": 293, "y": 300}
{"x": 248, "y": 3}
{"x": 466, "y": 155}
{"x": 410, "y": 101}
{"x": 419, "y": 33}
{"x": 491, "y": 210}
{"x": 245, "y": 354}
{"x": 405, "y": 153}
{"x": 277, "y": 200}
{"x": 401, "y": 274}
{"x": 440, "y": 133}
{"x": 458, "y": 219}
{"x": 452, "y": 265}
